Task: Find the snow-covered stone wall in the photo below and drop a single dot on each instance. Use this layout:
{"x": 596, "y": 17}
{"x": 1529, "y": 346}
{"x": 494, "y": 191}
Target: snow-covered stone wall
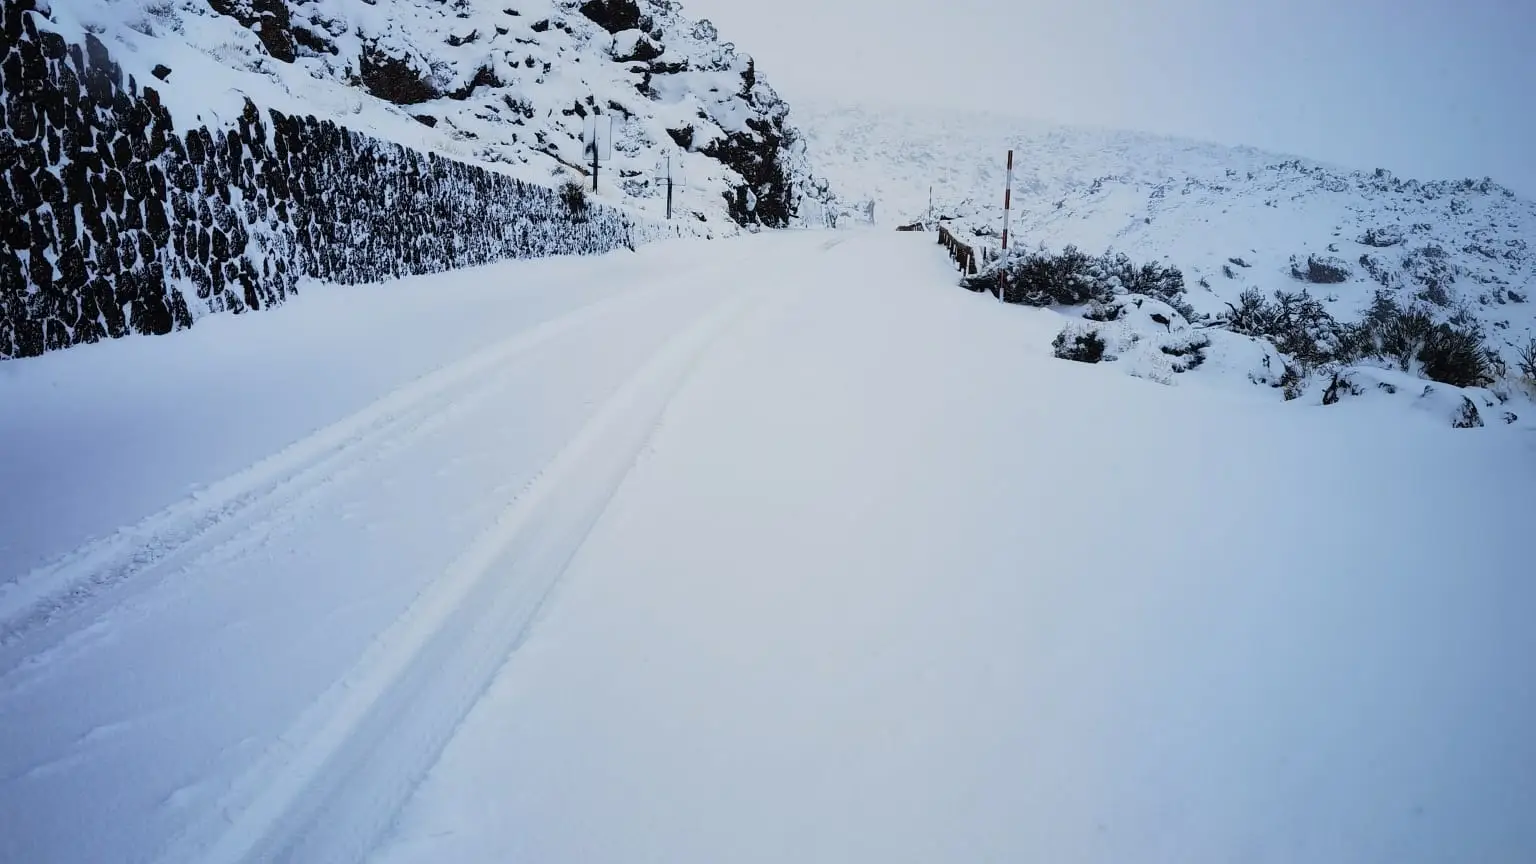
{"x": 116, "y": 222}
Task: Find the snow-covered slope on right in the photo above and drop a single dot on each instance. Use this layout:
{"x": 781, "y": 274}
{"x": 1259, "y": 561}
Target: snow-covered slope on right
{"x": 1384, "y": 262}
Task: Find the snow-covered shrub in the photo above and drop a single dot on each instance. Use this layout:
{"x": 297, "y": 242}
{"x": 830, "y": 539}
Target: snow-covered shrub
{"x": 1150, "y": 279}
{"x": 1071, "y": 277}
{"x": 1104, "y": 311}
{"x": 1298, "y": 325}
{"x": 1456, "y": 356}
{"x": 1449, "y": 352}
{"x": 1395, "y": 333}
{"x": 1291, "y": 382}
{"x": 1527, "y": 360}
{"x": 1188, "y": 351}
{"x": 1068, "y": 279}
{"x": 1342, "y": 385}
{"x": 1081, "y": 345}
{"x": 573, "y": 193}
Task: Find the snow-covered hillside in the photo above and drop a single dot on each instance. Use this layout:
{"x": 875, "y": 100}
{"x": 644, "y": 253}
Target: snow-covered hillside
{"x": 1232, "y": 219}
{"x": 513, "y": 83}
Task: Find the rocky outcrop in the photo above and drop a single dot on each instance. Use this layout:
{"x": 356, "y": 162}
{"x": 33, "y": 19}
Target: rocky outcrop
{"x": 615, "y": 16}
{"x": 394, "y": 79}
{"x": 268, "y": 19}
{"x": 1320, "y": 270}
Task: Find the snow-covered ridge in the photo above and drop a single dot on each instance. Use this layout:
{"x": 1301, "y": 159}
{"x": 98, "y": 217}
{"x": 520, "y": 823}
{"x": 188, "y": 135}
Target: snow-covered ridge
{"x": 510, "y": 83}
{"x": 1232, "y": 219}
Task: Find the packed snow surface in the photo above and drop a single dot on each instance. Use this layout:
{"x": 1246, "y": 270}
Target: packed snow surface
{"x": 775, "y": 548}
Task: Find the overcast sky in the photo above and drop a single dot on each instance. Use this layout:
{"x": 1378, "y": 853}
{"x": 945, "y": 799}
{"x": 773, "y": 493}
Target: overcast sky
{"x": 1435, "y": 89}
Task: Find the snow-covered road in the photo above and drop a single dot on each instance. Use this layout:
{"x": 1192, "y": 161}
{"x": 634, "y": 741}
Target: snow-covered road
{"x": 778, "y": 548}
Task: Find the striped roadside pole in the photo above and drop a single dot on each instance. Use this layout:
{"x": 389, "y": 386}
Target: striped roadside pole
{"x": 1002, "y": 270}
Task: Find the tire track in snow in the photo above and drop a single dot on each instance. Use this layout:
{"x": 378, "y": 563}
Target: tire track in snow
{"x": 332, "y": 784}
{"x": 295, "y": 499}
{"x": 176, "y": 536}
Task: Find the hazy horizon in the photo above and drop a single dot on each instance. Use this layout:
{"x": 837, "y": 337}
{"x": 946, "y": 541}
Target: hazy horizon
{"x": 1424, "y": 88}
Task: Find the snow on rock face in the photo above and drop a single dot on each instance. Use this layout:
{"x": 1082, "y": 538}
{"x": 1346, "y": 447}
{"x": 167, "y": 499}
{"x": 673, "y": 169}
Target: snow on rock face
{"x": 512, "y": 83}
{"x": 1233, "y": 219}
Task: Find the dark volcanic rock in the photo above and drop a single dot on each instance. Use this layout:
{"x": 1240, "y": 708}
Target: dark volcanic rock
{"x": 394, "y": 80}
{"x": 268, "y": 19}
{"x": 615, "y": 16}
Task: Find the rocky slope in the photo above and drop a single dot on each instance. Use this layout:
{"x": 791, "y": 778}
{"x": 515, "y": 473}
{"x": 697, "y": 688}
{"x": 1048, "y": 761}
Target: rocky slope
{"x": 512, "y": 83}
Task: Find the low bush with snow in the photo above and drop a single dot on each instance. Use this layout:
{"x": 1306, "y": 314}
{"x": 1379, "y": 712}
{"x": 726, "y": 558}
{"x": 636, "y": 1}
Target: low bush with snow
{"x": 1071, "y": 277}
{"x": 1081, "y": 344}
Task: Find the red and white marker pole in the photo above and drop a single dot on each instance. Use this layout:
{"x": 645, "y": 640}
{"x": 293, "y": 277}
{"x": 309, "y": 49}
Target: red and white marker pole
{"x": 1002, "y": 271}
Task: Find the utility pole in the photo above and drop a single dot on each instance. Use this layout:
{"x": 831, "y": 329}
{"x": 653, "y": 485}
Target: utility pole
{"x": 595, "y": 142}
{"x": 669, "y": 186}
{"x": 1002, "y": 270}
{"x": 672, "y": 180}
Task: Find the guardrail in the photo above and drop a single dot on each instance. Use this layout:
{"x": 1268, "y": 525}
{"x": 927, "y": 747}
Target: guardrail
{"x": 962, "y": 253}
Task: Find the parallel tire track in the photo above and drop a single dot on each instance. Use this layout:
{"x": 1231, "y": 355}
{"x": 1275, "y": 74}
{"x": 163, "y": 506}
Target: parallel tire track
{"x": 177, "y": 535}
{"x": 331, "y": 786}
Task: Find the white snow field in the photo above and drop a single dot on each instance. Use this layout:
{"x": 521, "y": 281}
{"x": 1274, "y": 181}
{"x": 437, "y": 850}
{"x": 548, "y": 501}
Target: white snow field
{"x": 777, "y": 548}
